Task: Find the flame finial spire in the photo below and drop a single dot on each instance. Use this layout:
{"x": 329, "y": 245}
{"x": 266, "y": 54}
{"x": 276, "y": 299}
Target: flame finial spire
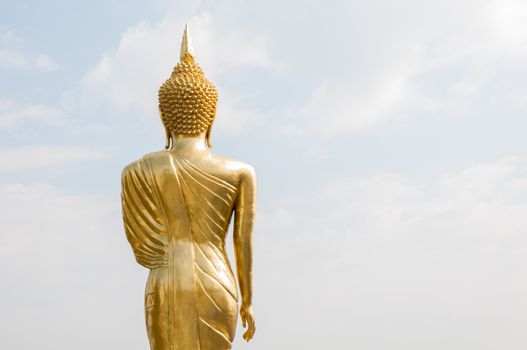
{"x": 186, "y": 43}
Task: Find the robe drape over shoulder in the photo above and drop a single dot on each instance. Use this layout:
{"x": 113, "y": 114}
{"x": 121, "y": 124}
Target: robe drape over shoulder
{"x": 176, "y": 217}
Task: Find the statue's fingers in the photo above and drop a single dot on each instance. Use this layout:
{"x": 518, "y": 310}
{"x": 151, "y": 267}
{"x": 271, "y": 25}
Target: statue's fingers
{"x": 250, "y": 334}
{"x": 244, "y": 321}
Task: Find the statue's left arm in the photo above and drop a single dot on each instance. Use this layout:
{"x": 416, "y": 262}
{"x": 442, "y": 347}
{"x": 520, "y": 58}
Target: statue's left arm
{"x": 143, "y": 222}
{"x": 243, "y": 235}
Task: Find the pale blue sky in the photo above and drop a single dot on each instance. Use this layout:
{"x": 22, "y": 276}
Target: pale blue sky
{"x": 388, "y": 139}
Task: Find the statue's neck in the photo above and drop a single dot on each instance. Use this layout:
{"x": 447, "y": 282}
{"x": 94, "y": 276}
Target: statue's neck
{"x": 189, "y": 145}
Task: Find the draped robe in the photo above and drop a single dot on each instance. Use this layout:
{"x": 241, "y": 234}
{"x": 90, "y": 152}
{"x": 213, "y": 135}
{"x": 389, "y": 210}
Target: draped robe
{"x": 176, "y": 217}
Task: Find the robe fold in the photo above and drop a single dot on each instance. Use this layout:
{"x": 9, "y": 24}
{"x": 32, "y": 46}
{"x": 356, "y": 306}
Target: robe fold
{"x": 176, "y": 218}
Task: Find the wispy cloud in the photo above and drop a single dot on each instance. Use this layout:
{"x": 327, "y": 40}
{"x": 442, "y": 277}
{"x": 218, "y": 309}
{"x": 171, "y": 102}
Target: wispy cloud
{"x": 386, "y": 251}
{"x": 488, "y": 200}
{"x": 14, "y": 114}
{"x": 381, "y": 83}
{"x": 32, "y": 157}
{"x": 13, "y": 56}
{"x": 63, "y": 256}
{"x": 128, "y": 79}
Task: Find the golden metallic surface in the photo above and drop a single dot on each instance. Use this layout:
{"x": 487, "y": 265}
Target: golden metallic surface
{"x": 187, "y": 100}
{"x": 177, "y": 206}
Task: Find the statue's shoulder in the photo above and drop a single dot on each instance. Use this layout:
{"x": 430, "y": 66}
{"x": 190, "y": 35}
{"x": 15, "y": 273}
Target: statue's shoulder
{"x": 234, "y": 167}
{"x": 157, "y": 159}
{"x": 148, "y": 161}
{"x": 131, "y": 167}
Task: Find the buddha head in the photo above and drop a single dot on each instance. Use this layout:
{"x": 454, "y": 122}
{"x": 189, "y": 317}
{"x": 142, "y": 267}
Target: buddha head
{"x": 187, "y": 100}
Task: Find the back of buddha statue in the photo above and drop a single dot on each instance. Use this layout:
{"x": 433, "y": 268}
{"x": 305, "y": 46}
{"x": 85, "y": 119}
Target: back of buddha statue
{"x": 177, "y": 206}
{"x": 195, "y": 194}
{"x": 209, "y": 184}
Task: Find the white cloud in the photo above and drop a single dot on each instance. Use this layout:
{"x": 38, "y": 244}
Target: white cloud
{"x": 486, "y": 199}
{"x": 508, "y": 20}
{"x": 391, "y": 79}
{"x": 14, "y": 114}
{"x": 31, "y": 157}
{"x": 279, "y": 220}
{"x": 129, "y": 77}
{"x": 386, "y": 260}
{"x": 378, "y": 256}
{"x": 12, "y": 56}
{"x": 333, "y": 109}
{"x": 67, "y": 272}
{"x": 404, "y": 75}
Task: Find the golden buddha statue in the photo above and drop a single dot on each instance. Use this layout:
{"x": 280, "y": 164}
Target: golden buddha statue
{"x": 177, "y": 206}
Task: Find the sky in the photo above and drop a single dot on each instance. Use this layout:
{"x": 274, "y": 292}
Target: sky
{"x": 388, "y": 140}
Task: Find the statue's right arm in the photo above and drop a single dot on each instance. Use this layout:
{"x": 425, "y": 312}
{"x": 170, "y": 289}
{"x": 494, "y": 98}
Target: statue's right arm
{"x": 243, "y": 232}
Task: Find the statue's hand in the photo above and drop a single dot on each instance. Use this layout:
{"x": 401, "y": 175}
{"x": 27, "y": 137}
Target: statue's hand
{"x": 246, "y": 312}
